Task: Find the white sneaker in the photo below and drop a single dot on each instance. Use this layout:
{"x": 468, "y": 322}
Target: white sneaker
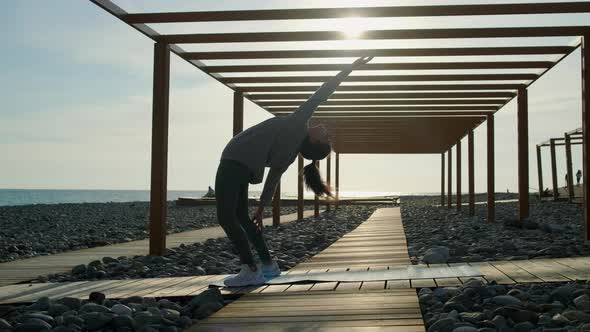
{"x": 271, "y": 270}
{"x": 246, "y": 277}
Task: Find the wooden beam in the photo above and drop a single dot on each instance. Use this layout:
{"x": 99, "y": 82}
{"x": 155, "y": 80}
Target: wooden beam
{"x": 523, "y": 154}
{"x": 540, "y": 170}
{"x": 300, "y": 201}
{"x": 442, "y": 179}
{"x": 389, "y": 109}
{"x": 458, "y": 167}
{"x": 337, "y": 175}
{"x": 344, "y": 115}
{"x": 381, "y": 66}
{"x": 586, "y": 131}
{"x": 389, "y": 95}
{"x": 383, "y": 87}
{"x": 316, "y": 200}
{"x": 238, "y": 113}
{"x": 553, "y": 169}
{"x": 568, "y": 167}
{"x": 450, "y": 179}
{"x": 381, "y": 78}
{"x": 276, "y": 206}
{"x": 395, "y": 52}
{"x": 491, "y": 213}
{"x": 347, "y": 12}
{"x": 399, "y": 34}
{"x": 471, "y": 171}
{"x": 329, "y": 177}
{"x": 159, "y": 167}
{"x": 495, "y": 103}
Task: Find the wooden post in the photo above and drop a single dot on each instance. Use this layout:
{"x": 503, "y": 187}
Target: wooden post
{"x": 450, "y": 179}
{"x": 276, "y": 206}
{"x": 540, "y": 170}
{"x": 585, "y": 131}
{"x": 491, "y": 170}
{"x": 238, "y": 112}
{"x": 337, "y": 175}
{"x": 328, "y": 179}
{"x": 159, "y": 167}
{"x": 568, "y": 166}
{"x": 458, "y": 175}
{"x": 316, "y": 200}
{"x": 553, "y": 169}
{"x": 523, "y": 153}
{"x": 442, "y": 179}
{"x": 300, "y": 187}
{"x": 471, "y": 172}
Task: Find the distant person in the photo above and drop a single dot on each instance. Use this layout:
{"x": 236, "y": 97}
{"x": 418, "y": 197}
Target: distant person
{"x": 274, "y": 143}
{"x": 210, "y": 193}
{"x": 578, "y": 177}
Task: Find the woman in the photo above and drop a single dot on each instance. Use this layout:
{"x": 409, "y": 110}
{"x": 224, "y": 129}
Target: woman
{"x": 274, "y": 143}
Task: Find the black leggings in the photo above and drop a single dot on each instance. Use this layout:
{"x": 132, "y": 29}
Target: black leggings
{"x": 231, "y": 193}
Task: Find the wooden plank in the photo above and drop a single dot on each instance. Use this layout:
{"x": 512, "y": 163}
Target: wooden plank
{"x": 422, "y": 283}
{"x": 397, "y": 284}
{"x": 395, "y": 52}
{"x": 372, "y": 285}
{"x": 490, "y": 273}
{"x": 514, "y": 272}
{"x": 444, "y": 282}
{"x": 540, "y": 271}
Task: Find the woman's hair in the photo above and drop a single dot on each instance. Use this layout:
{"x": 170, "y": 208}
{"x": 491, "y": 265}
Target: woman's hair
{"x": 311, "y": 174}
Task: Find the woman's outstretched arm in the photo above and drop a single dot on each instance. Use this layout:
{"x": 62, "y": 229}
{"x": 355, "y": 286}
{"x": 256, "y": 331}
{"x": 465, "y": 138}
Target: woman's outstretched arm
{"x": 305, "y": 111}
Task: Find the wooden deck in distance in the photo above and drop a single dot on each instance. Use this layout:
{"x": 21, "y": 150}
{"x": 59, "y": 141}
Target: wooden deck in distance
{"x": 28, "y": 269}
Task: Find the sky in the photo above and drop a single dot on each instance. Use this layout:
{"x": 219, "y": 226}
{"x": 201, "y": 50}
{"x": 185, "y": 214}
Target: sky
{"x": 76, "y": 90}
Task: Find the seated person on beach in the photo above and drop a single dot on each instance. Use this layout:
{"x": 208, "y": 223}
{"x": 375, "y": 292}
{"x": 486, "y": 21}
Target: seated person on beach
{"x": 274, "y": 143}
{"x": 210, "y": 193}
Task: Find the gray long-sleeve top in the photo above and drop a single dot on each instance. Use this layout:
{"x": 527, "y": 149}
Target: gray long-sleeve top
{"x": 275, "y": 142}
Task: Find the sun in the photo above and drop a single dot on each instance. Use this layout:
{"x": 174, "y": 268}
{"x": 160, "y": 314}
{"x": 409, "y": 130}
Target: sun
{"x": 354, "y": 27}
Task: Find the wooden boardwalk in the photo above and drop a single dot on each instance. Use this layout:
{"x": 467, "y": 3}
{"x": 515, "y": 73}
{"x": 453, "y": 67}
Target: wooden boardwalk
{"x": 28, "y": 269}
{"x": 378, "y": 243}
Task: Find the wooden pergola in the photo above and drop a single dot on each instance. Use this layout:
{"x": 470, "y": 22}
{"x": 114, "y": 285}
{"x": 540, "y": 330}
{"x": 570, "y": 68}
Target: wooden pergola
{"x": 373, "y": 113}
{"x": 573, "y": 137}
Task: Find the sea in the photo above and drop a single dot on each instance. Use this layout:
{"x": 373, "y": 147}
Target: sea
{"x": 9, "y": 197}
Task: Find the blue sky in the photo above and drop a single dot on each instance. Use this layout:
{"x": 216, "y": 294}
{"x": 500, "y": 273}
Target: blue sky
{"x": 76, "y": 92}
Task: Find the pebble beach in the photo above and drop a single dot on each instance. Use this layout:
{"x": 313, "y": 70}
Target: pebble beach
{"x": 44, "y": 229}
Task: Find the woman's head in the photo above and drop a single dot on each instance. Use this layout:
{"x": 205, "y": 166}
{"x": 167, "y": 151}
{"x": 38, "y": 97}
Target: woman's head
{"x": 315, "y": 146}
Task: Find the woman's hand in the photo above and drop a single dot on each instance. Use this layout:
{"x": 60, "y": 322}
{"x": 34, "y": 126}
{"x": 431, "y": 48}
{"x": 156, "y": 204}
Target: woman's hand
{"x": 257, "y": 219}
{"x": 361, "y": 61}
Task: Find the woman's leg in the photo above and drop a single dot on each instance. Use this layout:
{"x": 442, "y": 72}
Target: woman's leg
{"x": 256, "y": 238}
{"x": 227, "y": 186}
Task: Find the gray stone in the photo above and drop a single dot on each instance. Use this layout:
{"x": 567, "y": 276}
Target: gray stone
{"x": 465, "y": 329}
{"x": 93, "y": 307}
{"x": 451, "y": 305}
{"x": 472, "y": 317}
{"x": 4, "y": 325}
{"x": 109, "y": 260}
{"x": 120, "y": 322}
{"x": 42, "y": 304}
{"x": 434, "y": 258}
{"x": 46, "y": 318}
{"x": 442, "y": 325}
{"x": 577, "y": 315}
{"x": 524, "y": 326}
{"x": 96, "y": 320}
{"x": 582, "y": 302}
{"x": 473, "y": 283}
{"x": 585, "y": 328}
{"x": 121, "y": 309}
{"x": 506, "y": 300}
{"x": 57, "y": 309}
{"x": 71, "y": 302}
{"x": 68, "y": 320}
{"x": 79, "y": 269}
{"x": 559, "y": 319}
{"x": 562, "y": 293}
{"x": 205, "y": 310}
{"x": 35, "y": 325}
{"x": 500, "y": 322}
{"x": 96, "y": 297}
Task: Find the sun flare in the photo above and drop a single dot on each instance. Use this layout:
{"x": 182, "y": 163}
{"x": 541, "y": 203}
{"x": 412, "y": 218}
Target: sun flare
{"x": 354, "y": 27}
